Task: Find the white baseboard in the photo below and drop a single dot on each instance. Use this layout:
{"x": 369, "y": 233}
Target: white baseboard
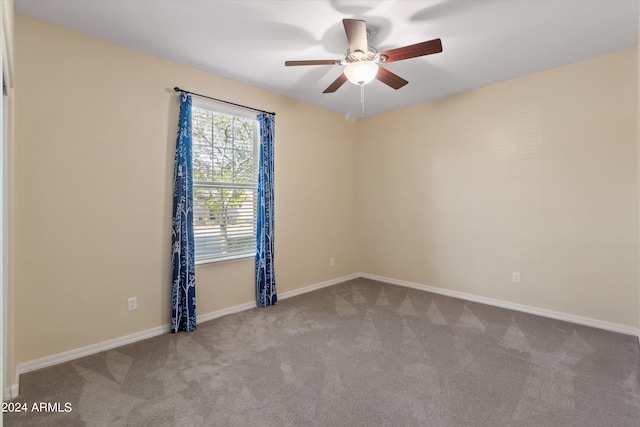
{"x": 12, "y": 392}
{"x": 225, "y": 311}
{"x": 281, "y": 296}
{"x": 586, "y": 321}
{"x": 118, "y": 342}
{"x": 90, "y": 349}
{"x": 55, "y": 359}
{"x": 317, "y": 286}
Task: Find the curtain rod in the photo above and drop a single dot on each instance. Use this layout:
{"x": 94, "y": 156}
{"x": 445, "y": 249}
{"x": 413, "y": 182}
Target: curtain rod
{"x": 177, "y": 89}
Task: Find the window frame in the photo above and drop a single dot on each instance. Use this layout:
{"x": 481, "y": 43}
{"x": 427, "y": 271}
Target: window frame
{"x": 244, "y": 114}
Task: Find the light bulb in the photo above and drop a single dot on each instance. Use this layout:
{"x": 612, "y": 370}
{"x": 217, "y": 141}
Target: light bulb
{"x": 361, "y": 73}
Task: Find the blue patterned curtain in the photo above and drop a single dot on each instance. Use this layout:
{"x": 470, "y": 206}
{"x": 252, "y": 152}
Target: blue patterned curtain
{"x": 265, "y": 275}
{"x": 183, "y": 294}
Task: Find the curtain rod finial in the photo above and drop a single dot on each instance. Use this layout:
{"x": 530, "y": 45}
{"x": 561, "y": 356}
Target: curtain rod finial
{"x": 177, "y": 89}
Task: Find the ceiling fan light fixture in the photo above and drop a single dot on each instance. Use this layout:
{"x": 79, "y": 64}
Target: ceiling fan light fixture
{"x": 361, "y": 73}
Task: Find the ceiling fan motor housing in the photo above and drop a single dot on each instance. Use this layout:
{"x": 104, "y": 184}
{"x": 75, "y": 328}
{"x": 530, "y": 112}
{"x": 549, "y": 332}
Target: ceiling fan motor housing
{"x": 359, "y": 56}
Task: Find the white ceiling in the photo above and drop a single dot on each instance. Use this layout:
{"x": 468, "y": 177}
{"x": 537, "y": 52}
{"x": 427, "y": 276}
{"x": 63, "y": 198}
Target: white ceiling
{"x": 484, "y": 42}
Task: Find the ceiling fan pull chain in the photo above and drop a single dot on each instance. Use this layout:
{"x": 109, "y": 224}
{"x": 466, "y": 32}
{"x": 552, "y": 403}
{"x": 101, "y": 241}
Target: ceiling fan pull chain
{"x": 362, "y": 97}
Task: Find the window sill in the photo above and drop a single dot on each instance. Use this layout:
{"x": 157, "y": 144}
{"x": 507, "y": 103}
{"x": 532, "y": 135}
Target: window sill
{"x": 229, "y": 258}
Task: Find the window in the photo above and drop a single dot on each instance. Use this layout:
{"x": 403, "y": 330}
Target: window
{"x": 225, "y": 182}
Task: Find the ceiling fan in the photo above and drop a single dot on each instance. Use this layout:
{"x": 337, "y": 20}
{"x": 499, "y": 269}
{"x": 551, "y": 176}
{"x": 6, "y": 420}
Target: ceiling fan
{"x": 362, "y": 61}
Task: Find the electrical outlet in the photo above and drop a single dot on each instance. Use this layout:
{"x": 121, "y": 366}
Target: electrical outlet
{"x": 132, "y": 303}
{"x": 516, "y": 277}
{"x": 332, "y": 261}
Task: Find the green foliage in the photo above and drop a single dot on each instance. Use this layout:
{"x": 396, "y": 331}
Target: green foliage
{"x": 223, "y": 148}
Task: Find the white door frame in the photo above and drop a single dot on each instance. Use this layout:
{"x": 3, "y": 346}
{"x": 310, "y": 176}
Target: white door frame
{"x": 6, "y": 198}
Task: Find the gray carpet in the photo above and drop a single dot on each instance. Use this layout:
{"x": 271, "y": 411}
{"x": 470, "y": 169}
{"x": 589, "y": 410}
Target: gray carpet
{"x": 361, "y": 353}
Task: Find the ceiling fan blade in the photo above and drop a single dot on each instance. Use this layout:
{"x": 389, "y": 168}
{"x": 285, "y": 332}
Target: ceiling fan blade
{"x": 356, "y": 30}
{"x": 314, "y": 62}
{"x": 413, "y": 51}
{"x": 336, "y": 84}
{"x": 390, "y": 79}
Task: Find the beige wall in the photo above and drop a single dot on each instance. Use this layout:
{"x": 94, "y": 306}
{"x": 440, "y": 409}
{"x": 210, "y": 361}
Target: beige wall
{"x": 96, "y": 136}
{"x": 537, "y": 175}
